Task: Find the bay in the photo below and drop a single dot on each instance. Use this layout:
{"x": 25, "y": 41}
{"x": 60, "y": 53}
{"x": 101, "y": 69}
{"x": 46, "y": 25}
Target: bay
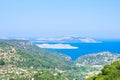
{"x": 89, "y": 48}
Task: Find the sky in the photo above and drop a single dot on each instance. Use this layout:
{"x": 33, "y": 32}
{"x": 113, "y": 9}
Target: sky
{"x": 54, "y": 18}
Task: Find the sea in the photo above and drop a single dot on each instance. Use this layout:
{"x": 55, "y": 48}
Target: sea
{"x": 88, "y": 48}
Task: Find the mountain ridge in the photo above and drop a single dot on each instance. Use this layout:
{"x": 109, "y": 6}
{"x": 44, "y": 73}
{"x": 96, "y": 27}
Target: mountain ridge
{"x": 68, "y": 39}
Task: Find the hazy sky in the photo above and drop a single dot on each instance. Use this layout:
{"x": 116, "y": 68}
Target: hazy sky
{"x": 53, "y": 18}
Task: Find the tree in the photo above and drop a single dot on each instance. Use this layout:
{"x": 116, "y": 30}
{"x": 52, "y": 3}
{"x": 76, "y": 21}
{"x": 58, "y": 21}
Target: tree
{"x": 109, "y": 72}
{"x": 2, "y": 62}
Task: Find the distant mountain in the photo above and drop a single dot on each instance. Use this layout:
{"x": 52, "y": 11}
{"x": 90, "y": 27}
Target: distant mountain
{"x": 68, "y": 39}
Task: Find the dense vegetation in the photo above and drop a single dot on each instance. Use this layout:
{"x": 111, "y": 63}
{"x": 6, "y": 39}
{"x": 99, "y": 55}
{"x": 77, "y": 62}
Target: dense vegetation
{"x": 109, "y": 72}
{"x": 92, "y": 63}
{"x": 22, "y": 60}
{"x": 29, "y": 55}
{"x": 2, "y": 62}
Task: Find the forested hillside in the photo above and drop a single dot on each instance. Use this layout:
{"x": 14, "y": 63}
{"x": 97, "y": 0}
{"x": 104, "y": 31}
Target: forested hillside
{"x": 109, "y": 72}
{"x": 23, "y": 60}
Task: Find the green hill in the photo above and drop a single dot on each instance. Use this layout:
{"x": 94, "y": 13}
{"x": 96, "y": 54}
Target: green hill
{"x": 109, "y": 72}
{"x": 26, "y": 54}
{"x": 91, "y": 64}
{"x": 22, "y": 58}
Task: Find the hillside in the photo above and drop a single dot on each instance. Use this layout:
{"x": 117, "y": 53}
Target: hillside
{"x": 26, "y": 50}
{"x": 91, "y": 64}
{"x": 22, "y": 60}
{"x": 109, "y": 72}
{"x": 19, "y": 57}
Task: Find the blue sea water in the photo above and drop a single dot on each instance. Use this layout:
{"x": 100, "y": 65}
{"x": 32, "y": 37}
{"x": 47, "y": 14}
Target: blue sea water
{"x": 88, "y": 48}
